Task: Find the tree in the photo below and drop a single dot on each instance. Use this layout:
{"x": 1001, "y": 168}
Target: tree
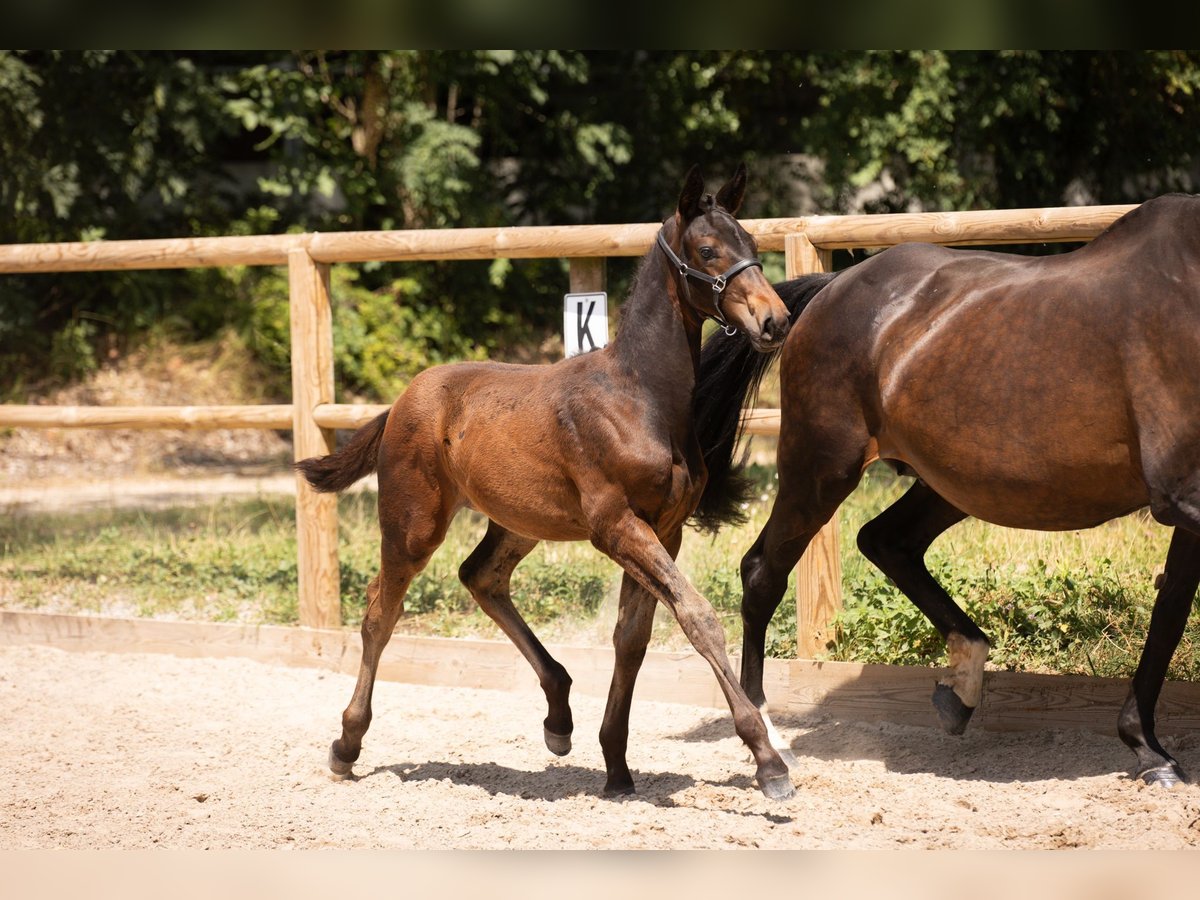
{"x": 106, "y": 144}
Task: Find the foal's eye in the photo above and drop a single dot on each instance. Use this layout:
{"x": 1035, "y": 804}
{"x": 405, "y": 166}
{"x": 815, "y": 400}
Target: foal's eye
{"x": 707, "y": 252}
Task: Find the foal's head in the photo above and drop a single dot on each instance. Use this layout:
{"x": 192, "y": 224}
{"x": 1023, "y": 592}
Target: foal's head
{"x": 721, "y": 277}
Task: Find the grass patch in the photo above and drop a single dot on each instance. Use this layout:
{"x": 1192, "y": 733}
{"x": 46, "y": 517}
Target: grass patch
{"x": 558, "y": 585}
{"x": 232, "y": 561}
{"x": 1066, "y": 602}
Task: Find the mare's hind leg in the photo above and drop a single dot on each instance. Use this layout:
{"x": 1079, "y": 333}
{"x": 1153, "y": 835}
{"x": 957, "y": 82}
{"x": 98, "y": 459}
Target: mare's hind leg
{"x": 633, "y": 545}
{"x": 486, "y": 573}
{"x": 1177, "y": 589}
{"x": 896, "y": 542}
{"x": 413, "y": 523}
{"x": 635, "y": 621}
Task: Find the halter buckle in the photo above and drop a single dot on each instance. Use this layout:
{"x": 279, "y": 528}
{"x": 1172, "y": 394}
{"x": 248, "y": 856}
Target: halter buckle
{"x": 718, "y": 284}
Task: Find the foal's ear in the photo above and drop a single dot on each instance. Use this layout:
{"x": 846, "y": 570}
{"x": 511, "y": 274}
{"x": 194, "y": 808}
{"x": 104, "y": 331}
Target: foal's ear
{"x": 691, "y": 195}
{"x": 730, "y": 196}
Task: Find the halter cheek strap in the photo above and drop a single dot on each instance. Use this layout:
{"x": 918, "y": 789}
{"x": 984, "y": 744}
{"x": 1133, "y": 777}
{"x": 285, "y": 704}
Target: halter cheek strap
{"x": 717, "y": 282}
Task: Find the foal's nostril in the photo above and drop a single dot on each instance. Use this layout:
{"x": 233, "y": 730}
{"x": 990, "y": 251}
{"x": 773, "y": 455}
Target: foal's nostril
{"x": 779, "y": 327}
{"x": 768, "y": 328}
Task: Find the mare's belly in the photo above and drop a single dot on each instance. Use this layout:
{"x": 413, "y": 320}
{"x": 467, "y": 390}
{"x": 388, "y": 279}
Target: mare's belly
{"x": 1044, "y": 495}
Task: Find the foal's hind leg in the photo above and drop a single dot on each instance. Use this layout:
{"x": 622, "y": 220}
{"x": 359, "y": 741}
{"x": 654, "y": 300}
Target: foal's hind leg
{"x": 413, "y": 523}
{"x": 385, "y": 602}
{"x": 1136, "y": 723}
{"x": 896, "y": 542}
{"x": 486, "y": 573}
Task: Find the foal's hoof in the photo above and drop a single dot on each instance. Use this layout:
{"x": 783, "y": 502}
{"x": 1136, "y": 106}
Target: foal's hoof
{"x": 1166, "y": 776}
{"x": 777, "y": 787}
{"x": 789, "y": 759}
{"x": 615, "y": 791}
{"x": 339, "y": 769}
{"x": 558, "y": 744}
{"x": 952, "y": 713}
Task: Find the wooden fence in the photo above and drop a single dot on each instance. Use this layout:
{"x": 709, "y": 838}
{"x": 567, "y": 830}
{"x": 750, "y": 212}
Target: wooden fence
{"x": 808, "y": 244}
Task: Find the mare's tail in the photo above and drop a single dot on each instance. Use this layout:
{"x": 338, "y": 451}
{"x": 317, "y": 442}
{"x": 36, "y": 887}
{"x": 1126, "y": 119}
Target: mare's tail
{"x": 339, "y": 470}
{"x": 731, "y": 371}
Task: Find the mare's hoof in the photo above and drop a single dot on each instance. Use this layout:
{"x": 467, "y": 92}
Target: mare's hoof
{"x": 558, "y": 744}
{"x": 952, "y": 713}
{"x": 339, "y": 769}
{"x": 778, "y": 787}
{"x": 1166, "y": 776}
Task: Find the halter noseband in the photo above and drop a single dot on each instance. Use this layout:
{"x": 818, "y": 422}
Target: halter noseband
{"x": 718, "y": 282}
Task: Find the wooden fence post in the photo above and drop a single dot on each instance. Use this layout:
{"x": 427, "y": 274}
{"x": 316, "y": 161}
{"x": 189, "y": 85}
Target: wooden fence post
{"x": 588, "y": 274}
{"x": 312, "y": 384}
{"x": 819, "y": 572}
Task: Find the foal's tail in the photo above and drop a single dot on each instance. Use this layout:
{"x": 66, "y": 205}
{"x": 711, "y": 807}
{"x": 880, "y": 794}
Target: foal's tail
{"x": 731, "y": 371}
{"x": 339, "y": 470}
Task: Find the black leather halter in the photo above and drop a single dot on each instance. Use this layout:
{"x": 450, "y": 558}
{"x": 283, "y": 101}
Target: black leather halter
{"x": 717, "y": 282}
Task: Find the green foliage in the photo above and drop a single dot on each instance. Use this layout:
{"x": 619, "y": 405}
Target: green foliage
{"x": 898, "y": 111}
{"x": 381, "y": 338}
{"x": 71, "y": 350}
{"x": 1019, "y": 128}
{"x": 132, "y": 144}
{"x": 1085, "y": 620}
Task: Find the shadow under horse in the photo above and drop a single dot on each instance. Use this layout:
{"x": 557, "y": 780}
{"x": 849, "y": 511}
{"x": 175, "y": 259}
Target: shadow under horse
{"x": 1049, "y": 393}
{"x": 599, "y": 447}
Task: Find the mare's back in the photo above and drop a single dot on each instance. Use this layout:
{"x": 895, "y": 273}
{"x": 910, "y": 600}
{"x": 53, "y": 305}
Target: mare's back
{"x": 1146, "y": 264}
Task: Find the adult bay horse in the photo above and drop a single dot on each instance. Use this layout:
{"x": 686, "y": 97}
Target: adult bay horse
{"x": 599, "y": 447}
{"x": 1048, "y": 393}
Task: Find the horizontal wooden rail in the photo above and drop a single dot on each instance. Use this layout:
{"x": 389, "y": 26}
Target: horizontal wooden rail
{"x": 484, "y": 243}
{"x": 996, "y": 226}
{"x": 516, "y": 243}
{"x": 347, "y": 415}
{"x": 534, "y": 242}
{"x": 167, "y": 253}
{"x": 277, "y": 416}
{"x": 761, "y": 421}
{"x": 554, "y": 241}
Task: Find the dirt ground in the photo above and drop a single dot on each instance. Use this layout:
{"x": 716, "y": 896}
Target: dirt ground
{"x": 140, "y": 751}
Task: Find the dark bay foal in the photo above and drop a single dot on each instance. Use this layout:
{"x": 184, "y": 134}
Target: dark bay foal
{"x": 600, "y": 447}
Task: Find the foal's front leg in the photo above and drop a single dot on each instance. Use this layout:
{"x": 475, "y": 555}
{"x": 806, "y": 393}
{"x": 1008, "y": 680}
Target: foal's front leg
{"x": 632, "y": 543}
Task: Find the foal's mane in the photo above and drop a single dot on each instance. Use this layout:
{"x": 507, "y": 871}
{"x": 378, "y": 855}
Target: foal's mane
{"x": 627, "y": 325}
